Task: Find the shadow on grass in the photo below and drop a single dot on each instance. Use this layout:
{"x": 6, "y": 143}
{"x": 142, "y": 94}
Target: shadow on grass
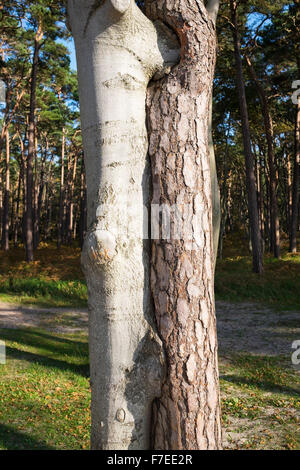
{"x": 12, "y": 439}
{"x": 49, "y": 350}
{"x": 39, "y": 339}
{"x": 263, "y": 385}
{"x": 79, "y": 369}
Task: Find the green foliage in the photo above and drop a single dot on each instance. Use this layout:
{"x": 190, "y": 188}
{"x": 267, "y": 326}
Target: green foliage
{"x": 45, "y": 292}
{"x": 278, "y": 286}
{"x": 54, "y": 279}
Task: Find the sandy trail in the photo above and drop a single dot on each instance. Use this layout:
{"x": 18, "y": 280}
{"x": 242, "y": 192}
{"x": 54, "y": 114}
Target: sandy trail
{"x": 242, "y": 327}
{"x": 60, "y": 320}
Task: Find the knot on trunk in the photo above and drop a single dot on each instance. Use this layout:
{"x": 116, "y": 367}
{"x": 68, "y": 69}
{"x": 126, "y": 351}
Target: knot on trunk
{"x": 99, "y": 248}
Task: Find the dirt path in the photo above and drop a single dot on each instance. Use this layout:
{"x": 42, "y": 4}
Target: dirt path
{"x": 243, "y": 327}
{"x": 256, "y": 329}
{"x": 60, "y": 320}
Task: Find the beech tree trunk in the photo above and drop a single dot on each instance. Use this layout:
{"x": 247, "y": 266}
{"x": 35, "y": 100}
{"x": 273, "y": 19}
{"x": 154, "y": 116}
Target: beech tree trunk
{"x": 250, "y": 175}
{"x": 119, "y": 50}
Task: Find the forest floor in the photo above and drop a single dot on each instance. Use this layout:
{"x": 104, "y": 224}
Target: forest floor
{"x": 45, "y": 393}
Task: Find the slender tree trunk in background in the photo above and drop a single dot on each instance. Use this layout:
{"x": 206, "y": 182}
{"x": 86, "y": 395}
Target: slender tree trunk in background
{"x": 5, "y": 218}
{"x": 62, "y": 192}
{"x": 48, "y": 205}
{"x": 71, "y": 202}
{"x": 250, "y": 176}
{"x": 215, "y": 190}
{"x": 268, "y": 123}
{"x": 31, "y": 150}
{"x": 187, "y": 414}
{"x": 289, "y": 191}
{"x": 224, "y": 199}
{"x": 118, "y": 52}
{"x": 268, "y": 211}
{"x": 17, "y": 221}
{"x": 83, "y": 206}
{"x": 13, "y": 209}
{"x": 296, "y": 180}
{"x": 1, "y": 200}
{"x": 7, "y": 119}
{"x": 3, "y": 134}
{"x": 261, "y": 202}
{"x": 40, "y": 193}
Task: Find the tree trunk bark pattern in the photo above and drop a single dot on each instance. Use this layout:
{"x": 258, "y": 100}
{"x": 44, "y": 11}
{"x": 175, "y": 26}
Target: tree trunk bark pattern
{"x": 187, "y": 415}
{"x": 31, "y": 149}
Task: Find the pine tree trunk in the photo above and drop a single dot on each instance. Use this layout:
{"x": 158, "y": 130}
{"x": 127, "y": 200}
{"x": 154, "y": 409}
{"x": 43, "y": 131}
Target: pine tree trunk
{"x": 289, "y": 190}
{"x": 187, "y": 415}
{"x": 31, "y": 150}
{"x": 71, "y": 201}
{"x": 5, "y": 219}
{"x": 17, "y": 221}
{"x": 62, "y": 191}
{"x": 296, "y": 179}
{"x": 261, "y": 202}
{"x": 268, "y": 122}
{"x": 250, "y": 176}
{"x": 83, "y": 208}
{"x": 36, "y": 190}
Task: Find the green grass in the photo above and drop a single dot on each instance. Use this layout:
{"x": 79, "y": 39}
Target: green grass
{"x": 261, "y": 395}
{"x": 279, "y": 286}
{"x": 44, "y": 391}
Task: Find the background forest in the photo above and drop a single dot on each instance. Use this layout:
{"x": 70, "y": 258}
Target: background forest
{"x": 256, "y": 131}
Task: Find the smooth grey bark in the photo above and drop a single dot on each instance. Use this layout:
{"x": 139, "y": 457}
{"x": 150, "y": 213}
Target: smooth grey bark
{"x": 118, "y": 51}
{"x": 29, "y": 248}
